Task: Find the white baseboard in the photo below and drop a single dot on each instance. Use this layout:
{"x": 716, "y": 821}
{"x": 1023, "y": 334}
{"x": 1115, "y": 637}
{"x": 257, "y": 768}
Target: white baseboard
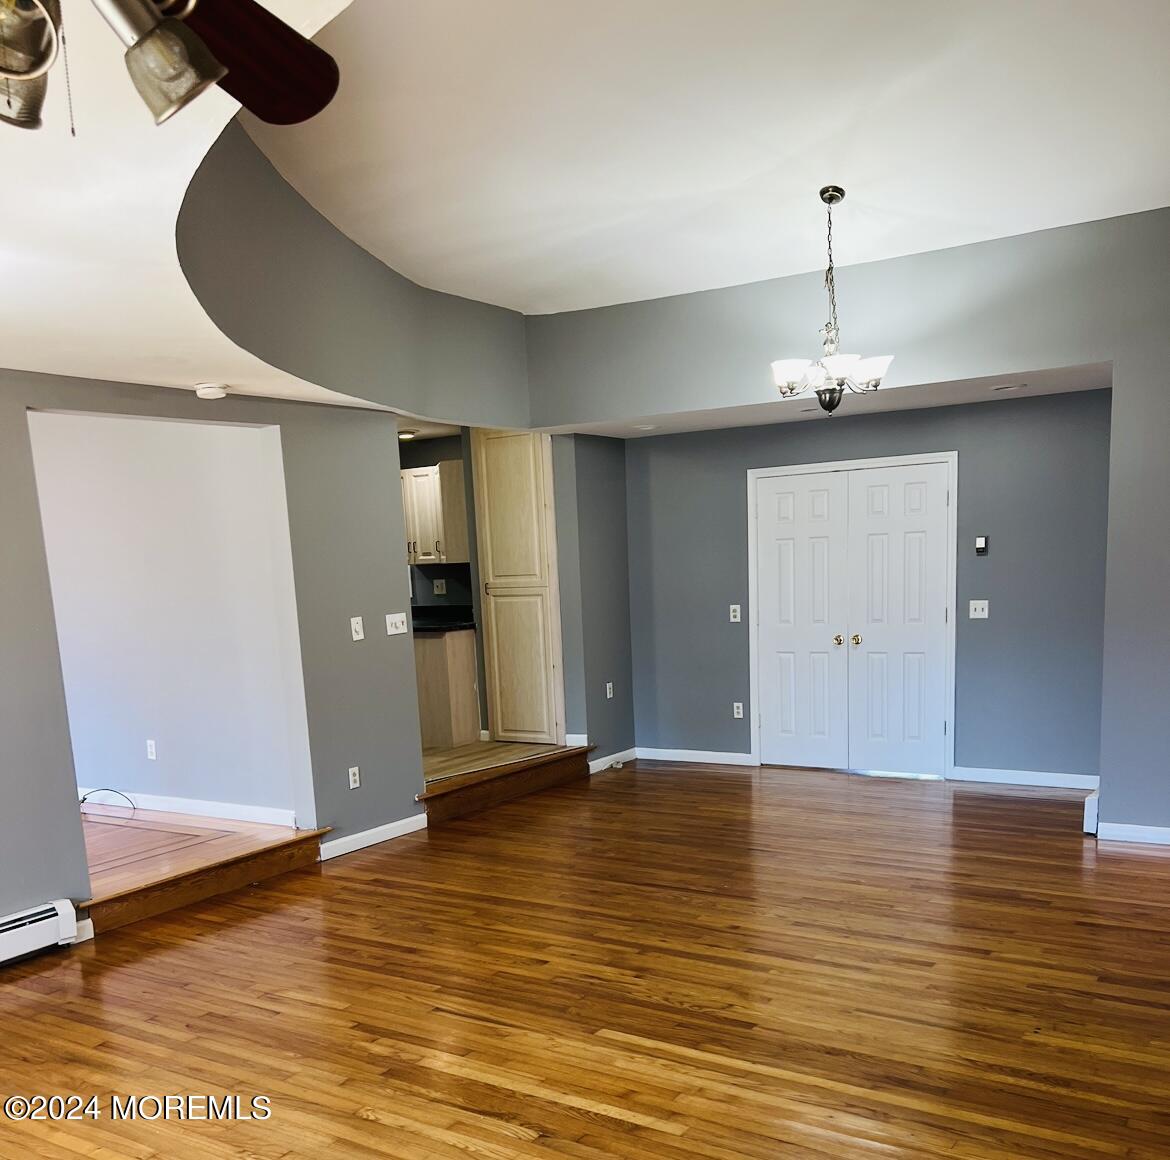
{"x": 613, "y": 759}
{"x": 1117, "y": 832}
{"x": 1025, "y": 777}
{"x": 230, "y": 811}
{"x": 360, "y": 841}
{"x": 84, "y": 930}
{"x": 699, "y": 756}
{"x": 1090, "y": 826}
{"x": 576, "y": 739}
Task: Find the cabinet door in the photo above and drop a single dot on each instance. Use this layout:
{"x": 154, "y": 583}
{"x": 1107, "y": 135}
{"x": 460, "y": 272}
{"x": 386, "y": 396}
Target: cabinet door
{"x": 408, "y": 519}
{"x": 428, "y": 515}
{"x": 454, "y": 541}
{"x": 517, "y": 563}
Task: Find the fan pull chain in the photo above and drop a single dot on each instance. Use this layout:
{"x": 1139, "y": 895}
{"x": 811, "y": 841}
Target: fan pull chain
{"x": 68, "y": 82}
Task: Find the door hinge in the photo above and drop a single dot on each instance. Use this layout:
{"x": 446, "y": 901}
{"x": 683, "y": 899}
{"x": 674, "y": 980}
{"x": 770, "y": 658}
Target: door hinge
{"x": 945, "y": 724}
{"x": 948, "y": 497}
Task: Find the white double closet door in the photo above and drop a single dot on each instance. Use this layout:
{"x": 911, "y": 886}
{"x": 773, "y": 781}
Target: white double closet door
{"x": 852, "y": 618}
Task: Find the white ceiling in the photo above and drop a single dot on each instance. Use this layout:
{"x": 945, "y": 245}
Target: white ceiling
{"x": 1091, "y": 377}
{"x": 92, "y": 282}
{"x": 553, "y": 156}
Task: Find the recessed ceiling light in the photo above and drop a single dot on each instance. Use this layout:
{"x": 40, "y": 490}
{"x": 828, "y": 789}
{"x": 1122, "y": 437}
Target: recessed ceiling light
{"x": 407, "y": 434}
{"x": 1010, "y": 387}
{"x": 210, "y": 390}
{"x": 645, "y": 426}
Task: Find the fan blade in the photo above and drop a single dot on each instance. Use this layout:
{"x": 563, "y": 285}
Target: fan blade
{"x": 273, "y": 71}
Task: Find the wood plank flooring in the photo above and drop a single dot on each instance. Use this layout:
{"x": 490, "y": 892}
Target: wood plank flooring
{"x": 659, "y": 963}
{"x": 443, "y": 763}
{"x": 144, "y": 862}
{"x": 128, "y": 849}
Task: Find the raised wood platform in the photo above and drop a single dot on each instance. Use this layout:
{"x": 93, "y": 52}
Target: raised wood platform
{"x": 458, "y": 795}
{"x": 145, "y": 862}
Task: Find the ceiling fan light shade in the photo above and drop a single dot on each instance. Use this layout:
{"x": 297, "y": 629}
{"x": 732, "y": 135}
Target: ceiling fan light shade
{"x": 29, "y": 42}
{"x": 21, "y": 102}
{"x": 170, "y": 66}
{"x": 871, "y": 370}
{"x": 788, "y": 373}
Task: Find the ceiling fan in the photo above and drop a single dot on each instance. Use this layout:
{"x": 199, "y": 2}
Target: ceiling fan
{"x": 174, "y": 50}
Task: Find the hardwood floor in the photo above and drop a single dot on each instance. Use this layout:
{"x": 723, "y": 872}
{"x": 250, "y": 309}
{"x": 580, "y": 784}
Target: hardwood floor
{"x": 442, "y": 763}
{"x": 659, "y": 963}
{"x": 142, "y": 862}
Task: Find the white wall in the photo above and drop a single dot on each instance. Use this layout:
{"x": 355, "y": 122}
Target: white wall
{"x": 171, "y": 570}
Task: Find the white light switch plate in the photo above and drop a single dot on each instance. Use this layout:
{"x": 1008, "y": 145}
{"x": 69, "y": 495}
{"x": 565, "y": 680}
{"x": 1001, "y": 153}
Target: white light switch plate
{"x": 737, "y": 710}
{"x": 735, "y": 616}
{"x": 439, "y": 587}
{"x": 355, "y": 777}
{"x": 357, "y": 628}
{"x": 980, "y": 610}
{"x": 609, "y": 690}
{"x": 151, "y": 753}
{"x": 395, "y": 623}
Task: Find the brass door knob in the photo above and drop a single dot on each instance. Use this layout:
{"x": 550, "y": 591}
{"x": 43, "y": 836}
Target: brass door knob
{"x": 856, "y": 638}
{"x": 838, "y": 639}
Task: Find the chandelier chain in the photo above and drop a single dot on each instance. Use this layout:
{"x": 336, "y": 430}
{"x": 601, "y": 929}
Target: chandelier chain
{"x": 832, "y": 331}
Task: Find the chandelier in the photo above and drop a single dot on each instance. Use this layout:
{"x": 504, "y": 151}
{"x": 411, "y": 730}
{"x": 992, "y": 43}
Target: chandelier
{"x": 833, "y": 373}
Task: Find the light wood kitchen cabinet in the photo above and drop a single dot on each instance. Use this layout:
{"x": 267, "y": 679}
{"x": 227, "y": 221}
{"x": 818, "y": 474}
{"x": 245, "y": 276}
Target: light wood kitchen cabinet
{"x": 434, "y": 506}
{"x": 448, "y": 700}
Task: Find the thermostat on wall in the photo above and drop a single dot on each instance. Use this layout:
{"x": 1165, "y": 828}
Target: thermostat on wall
{"x": 980, "y": 545}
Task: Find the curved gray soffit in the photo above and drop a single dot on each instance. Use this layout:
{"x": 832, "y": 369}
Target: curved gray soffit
{"x": 283, "y": 283}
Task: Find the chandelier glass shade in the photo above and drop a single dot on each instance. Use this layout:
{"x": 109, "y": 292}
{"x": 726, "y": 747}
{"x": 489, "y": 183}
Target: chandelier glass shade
{"x": 833, "y": 373}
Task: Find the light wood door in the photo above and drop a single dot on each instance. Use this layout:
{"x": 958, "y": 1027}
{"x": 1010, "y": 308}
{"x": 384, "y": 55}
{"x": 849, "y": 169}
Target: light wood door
{"x": 803, "y": 594}
{"x": 517, "y": 559}
{"x": 897, "y": 618}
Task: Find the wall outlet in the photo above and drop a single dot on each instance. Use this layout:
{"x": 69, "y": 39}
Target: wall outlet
{"x": 355, "y": 777}
{"x": 609, "y": 690}
{"x": 439, "y": 587}
{"x": 735, "y": 614}
{"x": 395, "y": 623}
{"x": 151, "y": 755}
{"x": 737, "y": 710}
{"x": 980, "y": 610}
{"x": 357, "y": 628}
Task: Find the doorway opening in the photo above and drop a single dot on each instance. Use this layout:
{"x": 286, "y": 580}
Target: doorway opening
{"x": 481, "y": 545}
{"x": 170, "y": 566}
{"x": 852, "y": 569}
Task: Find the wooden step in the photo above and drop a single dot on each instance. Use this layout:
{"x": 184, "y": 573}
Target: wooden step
{"x": 171, "y": 892}
{"x": 468, "y": 793}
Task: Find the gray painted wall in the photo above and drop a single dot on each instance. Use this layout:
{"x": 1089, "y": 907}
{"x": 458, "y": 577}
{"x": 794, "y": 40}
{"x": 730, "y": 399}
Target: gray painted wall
{"x": 345, "y": 523}
{"x": 171, "y": 570}
{"x": 605, "y": 592}
{"x": 428, "y": 452}
{"x": 1033, "y": 475}
{"x": 564, "y": 461}
{"x": 279, "y": 279}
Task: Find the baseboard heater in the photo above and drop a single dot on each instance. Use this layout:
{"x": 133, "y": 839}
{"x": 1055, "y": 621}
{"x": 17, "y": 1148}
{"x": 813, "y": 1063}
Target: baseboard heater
{"x": 53, "y": 924}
